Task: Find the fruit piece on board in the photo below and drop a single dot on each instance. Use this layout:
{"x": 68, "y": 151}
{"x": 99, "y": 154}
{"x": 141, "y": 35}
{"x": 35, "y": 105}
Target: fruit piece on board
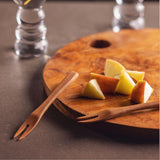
{"x": 92, "y": 90}
{"x": 136, "y": 75}
{"x": 125, "y": 84}
{"x": 141, "y": 92}
{"x": 112, "y": 68}
{"x": 107, "y": 84}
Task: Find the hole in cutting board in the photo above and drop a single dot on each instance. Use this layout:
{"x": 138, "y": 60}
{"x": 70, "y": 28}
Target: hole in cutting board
{"x": 100, "y": 44}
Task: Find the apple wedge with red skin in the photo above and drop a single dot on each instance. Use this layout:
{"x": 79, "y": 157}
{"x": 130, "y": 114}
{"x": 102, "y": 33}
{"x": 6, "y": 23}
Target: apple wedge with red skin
{"x": 107, "y": 84}
{"x": 141, "y": 92}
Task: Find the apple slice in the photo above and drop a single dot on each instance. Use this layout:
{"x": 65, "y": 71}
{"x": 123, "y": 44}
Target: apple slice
{"x": 107, "y": 84}
{"x": 136, "y": 75}
{"x": 112, "y": 68}
{"x": 141, "y": 92}
{"x": 125, "y": 84}
{"x": 92, "y": 90}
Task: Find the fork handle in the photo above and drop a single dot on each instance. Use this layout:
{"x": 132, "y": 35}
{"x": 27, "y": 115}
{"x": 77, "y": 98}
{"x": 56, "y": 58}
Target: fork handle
{"x": 56, "y": 92}
{"x": 125, "y": 110}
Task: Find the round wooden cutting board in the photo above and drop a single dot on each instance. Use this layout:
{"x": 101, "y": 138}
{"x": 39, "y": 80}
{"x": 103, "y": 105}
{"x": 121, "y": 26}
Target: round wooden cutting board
{"x": 135, "y": 49}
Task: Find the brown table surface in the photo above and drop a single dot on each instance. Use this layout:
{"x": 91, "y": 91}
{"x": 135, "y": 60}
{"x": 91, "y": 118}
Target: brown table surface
{"x": 21, "y": 89}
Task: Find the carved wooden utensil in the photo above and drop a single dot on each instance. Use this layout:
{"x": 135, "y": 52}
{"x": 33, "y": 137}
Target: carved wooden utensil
{"x": 31, "y": 122}
{"x": 116, "y": 112}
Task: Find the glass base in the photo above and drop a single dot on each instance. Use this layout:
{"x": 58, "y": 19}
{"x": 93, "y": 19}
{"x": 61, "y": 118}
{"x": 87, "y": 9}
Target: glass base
{"x": 138, "y": 23}
{"x": 24, "y": 50}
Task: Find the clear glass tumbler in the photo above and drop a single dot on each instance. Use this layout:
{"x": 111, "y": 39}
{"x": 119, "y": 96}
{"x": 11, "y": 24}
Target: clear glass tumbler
{"x": 31, "y": 32}
{"x": 128, "y": 14}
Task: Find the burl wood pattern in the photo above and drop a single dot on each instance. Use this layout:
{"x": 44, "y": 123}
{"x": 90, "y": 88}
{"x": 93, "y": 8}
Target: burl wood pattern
{"x": 135, "y": 49}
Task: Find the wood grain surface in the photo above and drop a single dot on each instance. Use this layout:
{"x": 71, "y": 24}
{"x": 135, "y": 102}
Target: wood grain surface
{"x": 135, "y": 49}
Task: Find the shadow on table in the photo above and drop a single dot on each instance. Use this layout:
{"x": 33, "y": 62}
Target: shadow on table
{"x": 103, "y": 131}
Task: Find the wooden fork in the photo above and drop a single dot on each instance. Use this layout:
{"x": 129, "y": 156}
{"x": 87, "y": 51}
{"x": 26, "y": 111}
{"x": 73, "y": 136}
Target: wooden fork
{"x": 37, "y": 114}
{"x": 61, "y": 107}
{"x": 116, "y": 112}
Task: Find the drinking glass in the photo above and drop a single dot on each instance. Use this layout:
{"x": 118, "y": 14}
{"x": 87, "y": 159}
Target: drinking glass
{"x": 31, "y": 32}
{"x": 128, "y": 14}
